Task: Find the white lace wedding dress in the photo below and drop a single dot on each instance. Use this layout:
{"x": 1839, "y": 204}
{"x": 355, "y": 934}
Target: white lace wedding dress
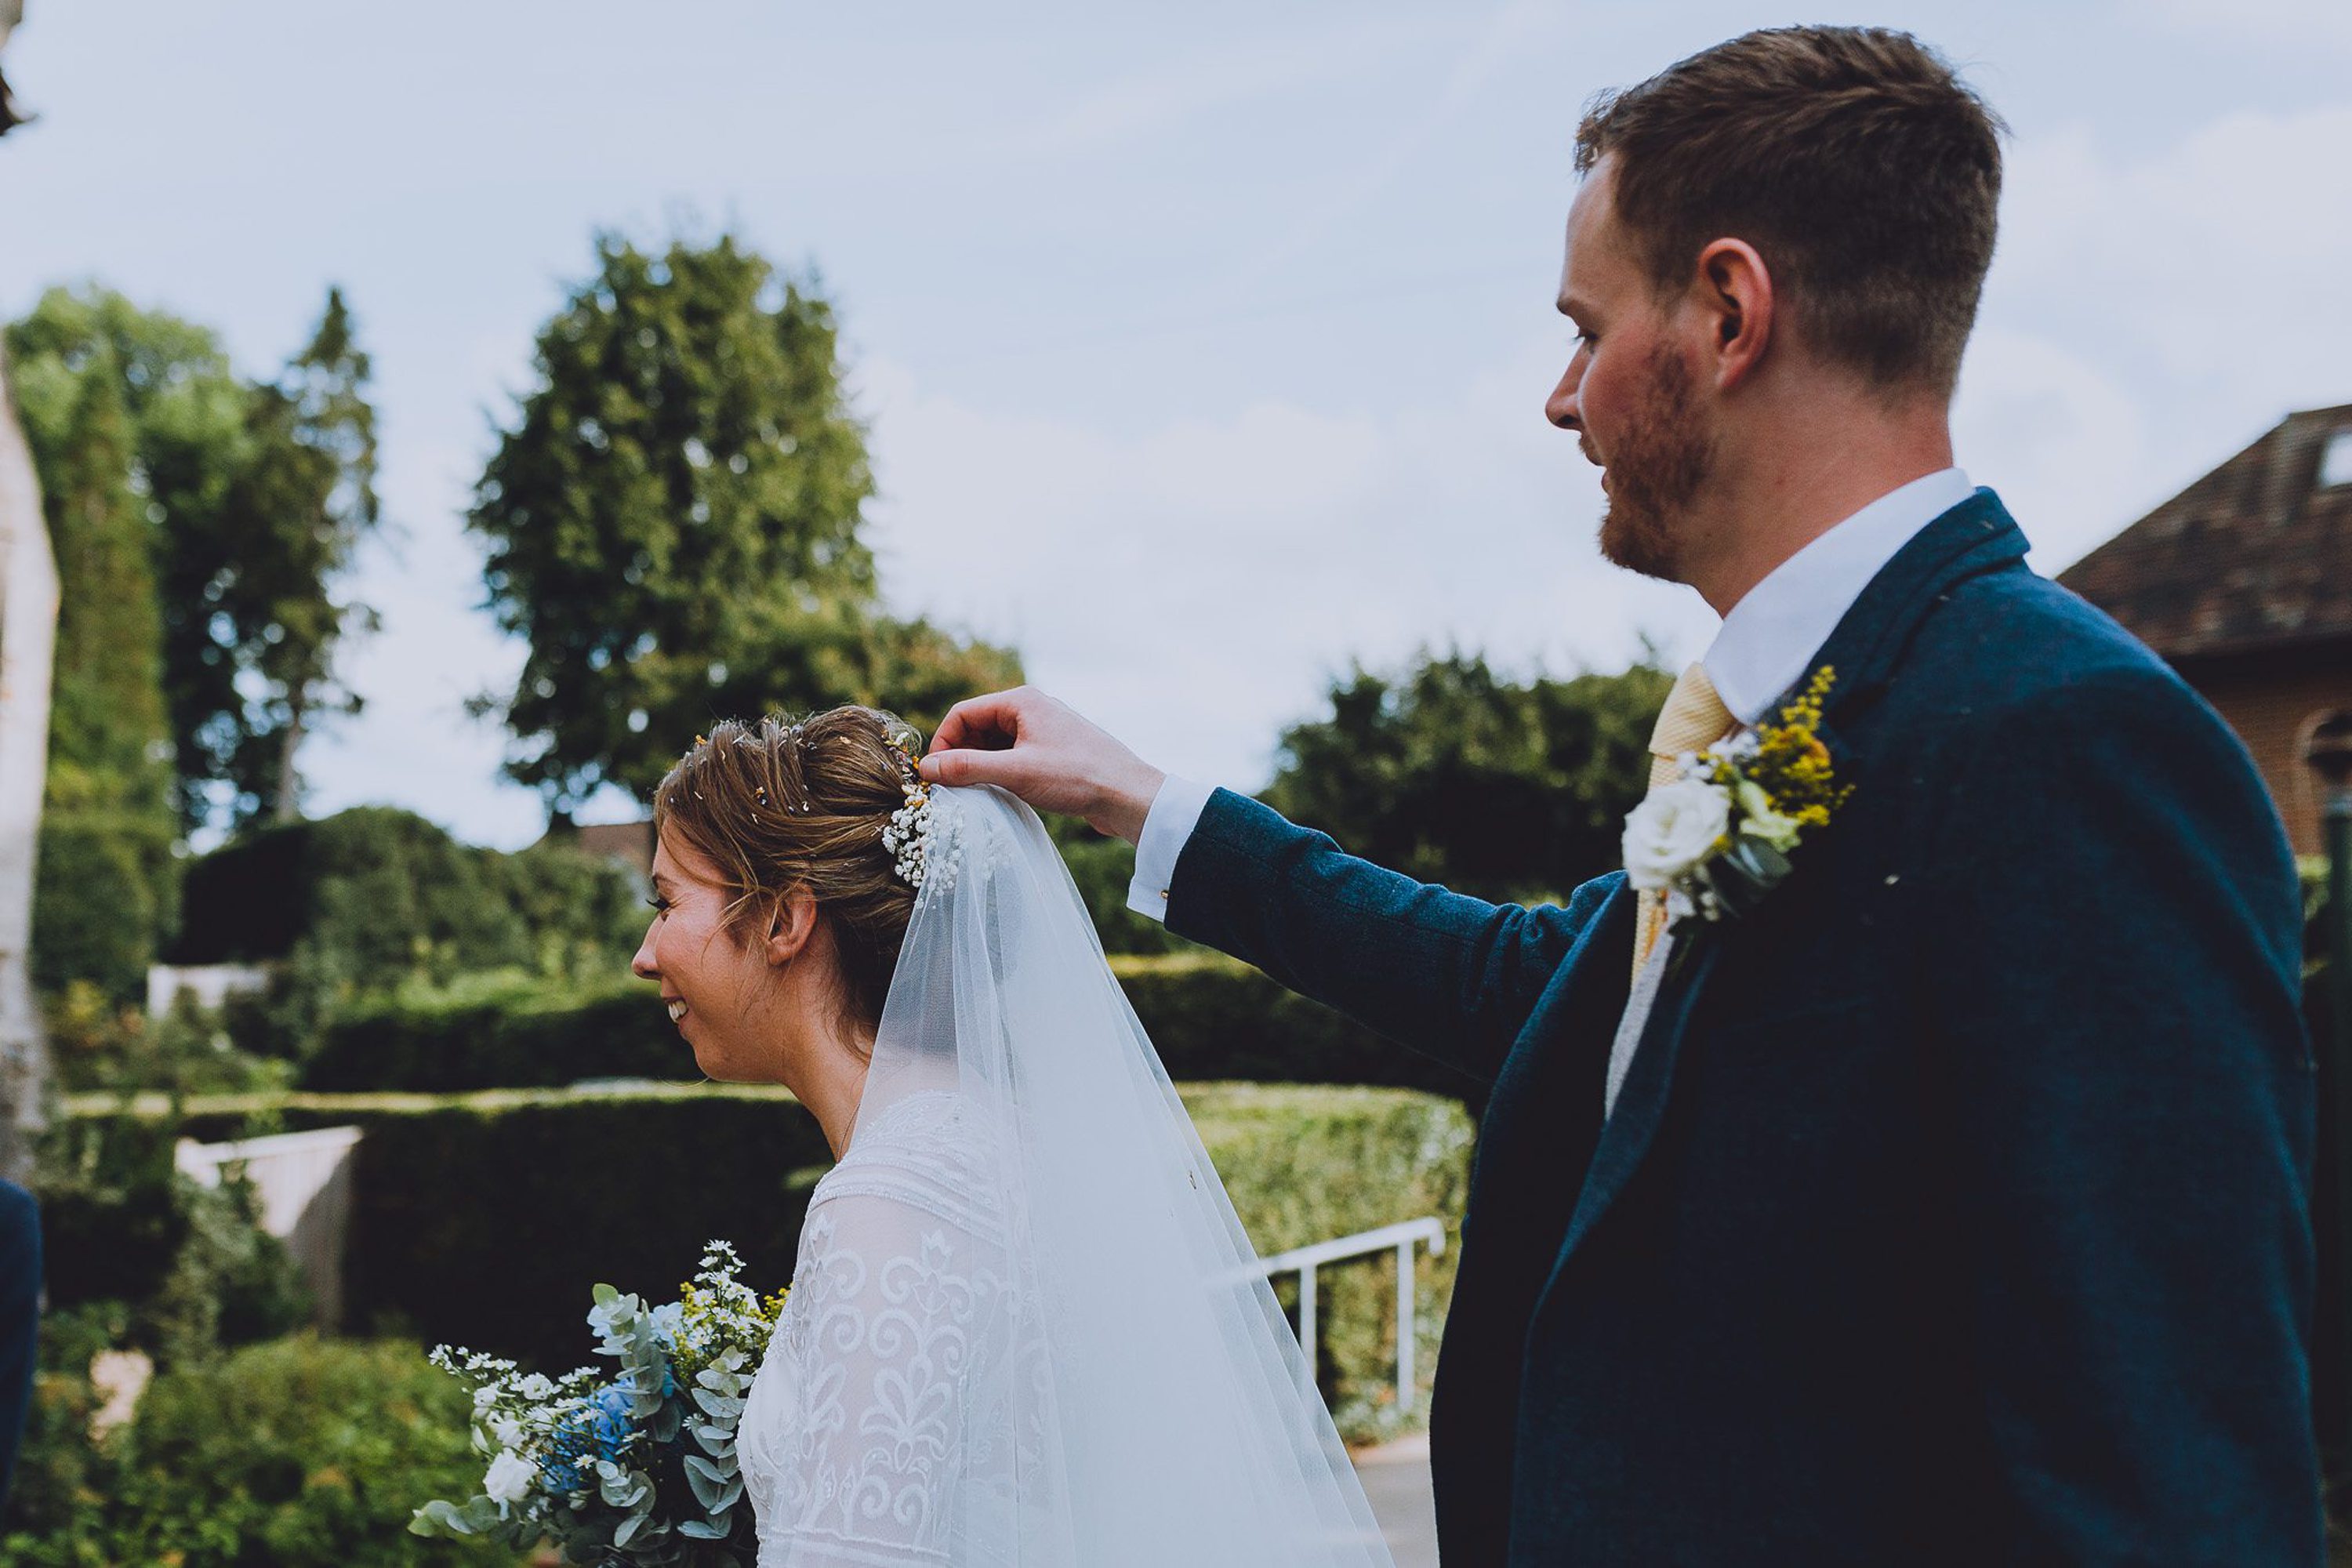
{"x": 858, "y": 1445}
{"x": 1025, "y": 1326}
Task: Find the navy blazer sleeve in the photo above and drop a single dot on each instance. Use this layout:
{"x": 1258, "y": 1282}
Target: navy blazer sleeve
{"x": 20, "y": 1298}
{"x": 1449, "y": 975}
{"x": 2116, "y": 975}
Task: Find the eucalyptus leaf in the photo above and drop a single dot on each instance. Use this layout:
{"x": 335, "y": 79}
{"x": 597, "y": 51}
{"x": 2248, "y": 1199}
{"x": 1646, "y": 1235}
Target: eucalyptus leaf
{"x": 439, "y": 1519}
{"x": 701, "y": 1531}
{"x": 707, "y": 1487}
{"x": 718, "y": 1405}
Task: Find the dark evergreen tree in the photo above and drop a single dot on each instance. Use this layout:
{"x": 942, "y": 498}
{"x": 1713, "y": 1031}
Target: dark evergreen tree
{"x": 104, "y": 877}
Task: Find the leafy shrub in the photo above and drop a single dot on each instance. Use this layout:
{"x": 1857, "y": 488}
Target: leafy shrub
{"x": 366, "y": 902}
{"x": 301, "y": 1453}
{"x": 101, "y": 896}
{"x": 66, "y": 1482}
{"x": 187, "y": 1266}
{"x": 99, "y": 1044}
{"x": 1304, "y": 1165}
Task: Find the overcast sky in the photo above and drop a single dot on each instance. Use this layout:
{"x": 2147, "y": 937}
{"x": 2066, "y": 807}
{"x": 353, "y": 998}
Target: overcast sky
{"x": 1204, "y": 348}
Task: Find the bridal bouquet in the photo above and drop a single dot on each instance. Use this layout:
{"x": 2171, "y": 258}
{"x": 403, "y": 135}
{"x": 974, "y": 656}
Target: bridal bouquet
{"x": 637, "y": 1469}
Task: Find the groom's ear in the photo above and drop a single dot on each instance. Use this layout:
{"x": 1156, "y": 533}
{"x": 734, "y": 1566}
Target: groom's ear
{"x": 1736, "y": 296}
{"x": 793, "y": 923}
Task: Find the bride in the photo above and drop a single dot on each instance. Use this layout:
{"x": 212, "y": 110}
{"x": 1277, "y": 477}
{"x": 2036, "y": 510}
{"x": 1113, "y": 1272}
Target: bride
{"x": 1025, "y": 1326}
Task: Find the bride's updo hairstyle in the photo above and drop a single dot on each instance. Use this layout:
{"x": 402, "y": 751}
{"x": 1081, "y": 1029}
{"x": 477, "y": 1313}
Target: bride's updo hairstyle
{"x": 775, "y": 805}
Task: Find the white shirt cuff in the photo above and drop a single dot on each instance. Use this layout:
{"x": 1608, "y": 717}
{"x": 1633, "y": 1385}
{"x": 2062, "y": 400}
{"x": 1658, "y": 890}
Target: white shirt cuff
{"x": 1167, "y": 827}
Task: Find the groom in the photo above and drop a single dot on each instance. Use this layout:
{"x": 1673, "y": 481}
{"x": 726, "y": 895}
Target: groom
{"x": 1947, "y": 1205}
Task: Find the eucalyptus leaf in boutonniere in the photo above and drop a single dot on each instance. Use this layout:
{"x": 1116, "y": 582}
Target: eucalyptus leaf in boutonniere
{"x": 1718, "y": 838}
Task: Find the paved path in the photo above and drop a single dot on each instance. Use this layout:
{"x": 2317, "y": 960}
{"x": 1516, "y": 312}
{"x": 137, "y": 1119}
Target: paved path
{"x": 1396, "y": 1481}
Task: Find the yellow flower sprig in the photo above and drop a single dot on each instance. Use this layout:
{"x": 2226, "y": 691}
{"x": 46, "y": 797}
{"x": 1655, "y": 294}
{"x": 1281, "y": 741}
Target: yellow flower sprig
{"x": 1790, "y": 765}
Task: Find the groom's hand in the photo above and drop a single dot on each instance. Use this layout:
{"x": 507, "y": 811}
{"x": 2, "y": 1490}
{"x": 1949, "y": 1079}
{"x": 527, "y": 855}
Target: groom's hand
{"x": 1025, "y": 741}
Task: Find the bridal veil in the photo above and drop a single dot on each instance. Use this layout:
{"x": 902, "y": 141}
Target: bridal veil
{"x": 1071, "y": 1360}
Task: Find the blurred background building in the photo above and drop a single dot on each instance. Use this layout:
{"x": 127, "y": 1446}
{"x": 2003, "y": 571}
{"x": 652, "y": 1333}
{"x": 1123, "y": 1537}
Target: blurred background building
{"x": 2243, "y": 583}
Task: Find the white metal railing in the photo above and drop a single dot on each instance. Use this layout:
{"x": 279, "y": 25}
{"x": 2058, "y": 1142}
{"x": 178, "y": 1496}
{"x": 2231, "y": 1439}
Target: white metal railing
{"x": 1307, "y": 1259}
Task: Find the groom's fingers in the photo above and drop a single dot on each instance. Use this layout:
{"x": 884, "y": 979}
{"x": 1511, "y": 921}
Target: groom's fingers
{"x": 973, "y": 767}
{"x": 992, "y": 722}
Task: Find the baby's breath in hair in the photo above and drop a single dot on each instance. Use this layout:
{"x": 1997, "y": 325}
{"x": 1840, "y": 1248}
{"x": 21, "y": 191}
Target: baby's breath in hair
{"x": 775, "y": 804}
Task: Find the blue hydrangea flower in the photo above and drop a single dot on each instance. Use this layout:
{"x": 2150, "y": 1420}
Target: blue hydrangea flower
{"x": 611, "y": 1425}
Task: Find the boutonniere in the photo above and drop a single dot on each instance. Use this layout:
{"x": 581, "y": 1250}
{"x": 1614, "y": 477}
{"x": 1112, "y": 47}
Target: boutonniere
{"x": 1718, "y": 838}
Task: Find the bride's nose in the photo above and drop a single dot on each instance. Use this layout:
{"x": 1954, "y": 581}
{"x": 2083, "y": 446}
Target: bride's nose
{"x": 643, "y": 966}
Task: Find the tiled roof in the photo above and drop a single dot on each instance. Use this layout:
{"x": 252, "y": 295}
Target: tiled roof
{"x": 2257, "y": 554}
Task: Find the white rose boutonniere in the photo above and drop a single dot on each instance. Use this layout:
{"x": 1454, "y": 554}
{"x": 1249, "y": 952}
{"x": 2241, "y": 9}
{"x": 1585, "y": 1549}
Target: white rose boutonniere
{"x": 1718, "y": 838}
{"x": 1671, "y": 831}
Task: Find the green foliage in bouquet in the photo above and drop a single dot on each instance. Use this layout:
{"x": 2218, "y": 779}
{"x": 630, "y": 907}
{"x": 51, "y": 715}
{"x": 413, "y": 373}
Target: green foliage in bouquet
{"x": 640, "y": 1471}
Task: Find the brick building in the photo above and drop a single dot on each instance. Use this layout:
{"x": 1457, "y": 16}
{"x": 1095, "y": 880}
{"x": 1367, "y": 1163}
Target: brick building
{"x": 2243, "y": 583}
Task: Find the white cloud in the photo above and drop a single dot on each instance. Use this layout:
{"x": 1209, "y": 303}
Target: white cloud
{"x": 1194, "y": 586}
{"x": 2063, "y": 441}
{"x": 2154, "y": 308}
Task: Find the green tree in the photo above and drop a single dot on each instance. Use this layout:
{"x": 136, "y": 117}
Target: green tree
{"x": 255, "y": 495}
{"x": 296, "y": 512}
{"x": 673, "y": 526}
{"x": 1453, "y": 774}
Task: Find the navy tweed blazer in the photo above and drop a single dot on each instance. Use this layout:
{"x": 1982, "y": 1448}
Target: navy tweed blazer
{"x": 1956, "y": 1207}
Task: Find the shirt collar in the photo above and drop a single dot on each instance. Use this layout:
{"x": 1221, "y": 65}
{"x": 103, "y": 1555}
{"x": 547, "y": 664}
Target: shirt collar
{"x": 1773, "y": 633}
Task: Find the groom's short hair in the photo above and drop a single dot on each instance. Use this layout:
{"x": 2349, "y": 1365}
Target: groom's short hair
{"x": 1855, "y": 160}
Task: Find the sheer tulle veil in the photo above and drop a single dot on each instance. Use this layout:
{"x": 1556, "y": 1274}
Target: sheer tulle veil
{"x": 1147, "y": 1404}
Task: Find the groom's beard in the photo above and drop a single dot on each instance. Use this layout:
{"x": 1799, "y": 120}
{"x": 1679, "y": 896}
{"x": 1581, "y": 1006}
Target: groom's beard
{"x": 1658, "y": 465}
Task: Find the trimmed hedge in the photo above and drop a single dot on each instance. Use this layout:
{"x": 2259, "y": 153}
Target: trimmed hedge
{"x": 1212, "y": 1018}
{"x": 525, "y": 1036}
{"x": 483, "y": 1220}
{"x": 102, "y": 884}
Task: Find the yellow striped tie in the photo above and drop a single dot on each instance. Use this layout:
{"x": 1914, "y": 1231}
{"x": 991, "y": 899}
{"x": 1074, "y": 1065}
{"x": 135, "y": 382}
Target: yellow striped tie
{"x": 1693, "y": 720}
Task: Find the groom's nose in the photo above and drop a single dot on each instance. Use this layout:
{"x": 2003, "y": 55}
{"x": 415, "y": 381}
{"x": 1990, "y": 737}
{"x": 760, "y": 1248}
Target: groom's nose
{"x": 1560, "y": 406}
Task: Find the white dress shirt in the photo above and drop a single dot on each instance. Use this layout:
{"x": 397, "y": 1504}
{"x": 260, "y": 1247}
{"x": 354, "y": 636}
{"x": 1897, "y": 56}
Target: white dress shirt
{"x": 1766, "y": 646}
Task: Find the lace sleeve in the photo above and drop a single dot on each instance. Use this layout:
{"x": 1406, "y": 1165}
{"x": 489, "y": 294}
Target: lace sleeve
{"x": 897, "y": 1306}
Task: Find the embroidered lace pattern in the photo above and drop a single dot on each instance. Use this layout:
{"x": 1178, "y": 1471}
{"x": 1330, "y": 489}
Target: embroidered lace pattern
{"x": 860, "y": 1448}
